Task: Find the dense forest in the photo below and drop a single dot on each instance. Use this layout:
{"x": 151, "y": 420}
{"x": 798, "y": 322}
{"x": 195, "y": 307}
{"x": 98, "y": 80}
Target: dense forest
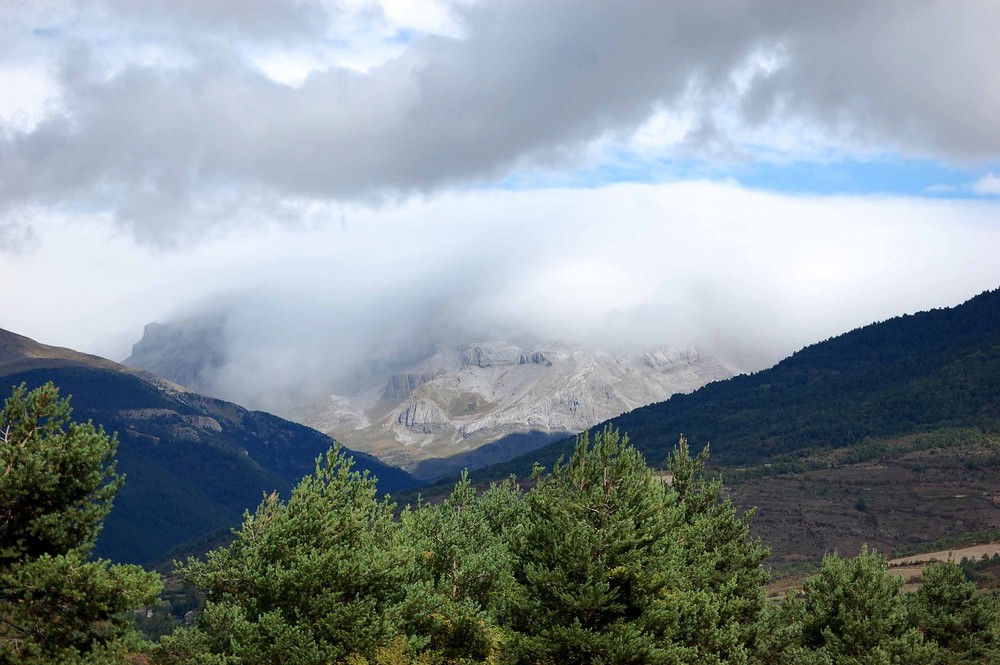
{"x": 600, "y": 561}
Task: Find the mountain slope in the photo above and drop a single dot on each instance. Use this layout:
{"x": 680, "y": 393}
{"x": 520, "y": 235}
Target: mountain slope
{"x": 193, "y": 464}
{"x": 909, "y": 374}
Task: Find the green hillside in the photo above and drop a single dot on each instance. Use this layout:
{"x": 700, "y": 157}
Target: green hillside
{"x": 910, "y": 374}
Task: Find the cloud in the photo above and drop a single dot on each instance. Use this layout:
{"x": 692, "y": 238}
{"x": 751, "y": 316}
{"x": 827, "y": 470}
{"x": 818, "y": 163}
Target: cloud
{"x": 941, "y": 188}
{"x": 746, "y": 275}
{"x": 258, "y": 20}
{"x": 988, "y": 185}
{"x": 173, "y": 128}
{"x": 332, "y": 176}
{"x": 17, "y": 236}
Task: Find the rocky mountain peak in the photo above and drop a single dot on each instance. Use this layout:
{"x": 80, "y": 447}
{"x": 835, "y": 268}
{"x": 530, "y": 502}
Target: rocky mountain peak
{"x": 186, "y": 353}
{"x": 468, "y": 398}
{"x": 491, "y": 354}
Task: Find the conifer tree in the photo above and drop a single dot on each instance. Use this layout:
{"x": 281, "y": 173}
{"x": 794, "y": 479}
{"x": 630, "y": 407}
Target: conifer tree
{"x": 615, "y": 566}
{"x": 591, "y": 559}
{"x": 462, "y": 586}
{"x": 720, "y": 563}
{"x": 852, "y": 612}
{"x": 950, "y": 613}
{"x": 307, "y": 581}
{"x": 57, "y": 480}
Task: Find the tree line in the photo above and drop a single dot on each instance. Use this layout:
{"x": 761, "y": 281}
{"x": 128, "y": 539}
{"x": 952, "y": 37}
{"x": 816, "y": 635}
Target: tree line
{"x": 597, "y": 561}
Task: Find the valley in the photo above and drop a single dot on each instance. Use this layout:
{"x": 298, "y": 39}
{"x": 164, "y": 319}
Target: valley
{"x": 885, "y": 438}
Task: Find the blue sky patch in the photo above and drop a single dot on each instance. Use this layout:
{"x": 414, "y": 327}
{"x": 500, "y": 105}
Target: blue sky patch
{"x": 891, "y": 176}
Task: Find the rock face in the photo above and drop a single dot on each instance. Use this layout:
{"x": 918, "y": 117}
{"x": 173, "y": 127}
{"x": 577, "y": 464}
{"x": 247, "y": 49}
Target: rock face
{"x": 462, "y": 398}
{"x": 402, "y": 384}
{"x": 186, "y": 354}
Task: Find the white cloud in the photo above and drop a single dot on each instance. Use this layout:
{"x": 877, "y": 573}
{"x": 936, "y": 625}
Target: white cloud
{"x": 988, "y": 185}
{"x": 943, "y": 189}
{"x": 190, "y": 105}
{"x": 324, "y": 169}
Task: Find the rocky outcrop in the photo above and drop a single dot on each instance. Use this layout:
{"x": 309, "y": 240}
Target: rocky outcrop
{"x": 491, "y": 354}
{"x": 423, "y": 417}
{"x": 400, "y": 385}
{"x": 536, "y": 358}
{"x": 187, "y": 353}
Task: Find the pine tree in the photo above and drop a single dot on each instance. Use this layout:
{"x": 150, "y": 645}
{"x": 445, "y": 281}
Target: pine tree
{"x": 307, "y": 581}
{"x": 57, "y": 481}
{"x": 720, "y": 565}
{"x": 462, "y": 586}
{"x": 615, "y": 566}
{"x": 591, "y": 559}
{"x": 950, "y": 613}
{"x": 852, "y": 612}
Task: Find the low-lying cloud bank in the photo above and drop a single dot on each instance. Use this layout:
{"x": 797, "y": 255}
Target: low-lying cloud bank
{"x": 746, "y": 275}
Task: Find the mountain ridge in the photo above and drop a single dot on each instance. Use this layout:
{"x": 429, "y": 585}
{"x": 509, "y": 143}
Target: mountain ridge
{"x": 463, "y": 398}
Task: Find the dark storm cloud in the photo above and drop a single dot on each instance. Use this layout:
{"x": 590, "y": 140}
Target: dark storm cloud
{"x": 171, "y": 150}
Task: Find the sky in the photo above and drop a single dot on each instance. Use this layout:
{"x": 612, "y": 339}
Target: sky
{"x": 354, "y": 181}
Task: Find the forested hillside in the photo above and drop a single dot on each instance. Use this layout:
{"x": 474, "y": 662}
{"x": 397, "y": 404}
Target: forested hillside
{"x": 194, "y": 464}
{"x": 909, "y": 374}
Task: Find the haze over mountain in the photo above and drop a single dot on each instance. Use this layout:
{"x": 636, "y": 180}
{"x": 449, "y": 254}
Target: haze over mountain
{"x": 192, "y": 463}
{"x": 887, "y": 435}
{"x": 460, "y": 406}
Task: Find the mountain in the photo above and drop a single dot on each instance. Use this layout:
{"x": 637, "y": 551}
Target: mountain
{"x": 460, "y": 406}
{"x": 465, "y": 406}
{"x": 193, "y": 464}
{"x": 185, "y": 354}
{"x": 910, "y": 374}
